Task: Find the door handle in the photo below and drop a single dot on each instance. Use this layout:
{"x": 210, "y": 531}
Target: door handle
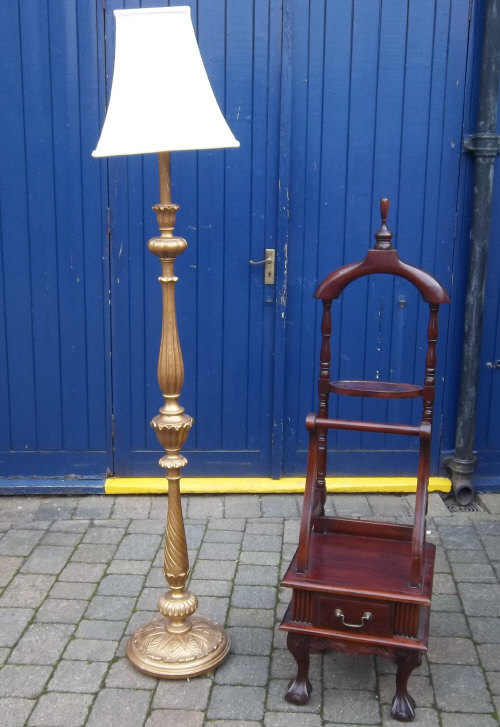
{"x": 269, "y": 263}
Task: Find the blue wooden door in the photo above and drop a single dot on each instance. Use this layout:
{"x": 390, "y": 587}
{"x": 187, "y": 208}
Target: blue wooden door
{"x": 228, "y": 214}
{"x": 55, "y": 395}
{"x": 378, "y": 97}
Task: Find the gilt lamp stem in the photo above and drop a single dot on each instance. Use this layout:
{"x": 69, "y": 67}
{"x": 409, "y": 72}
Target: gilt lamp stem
{"x": 179, "y": 644}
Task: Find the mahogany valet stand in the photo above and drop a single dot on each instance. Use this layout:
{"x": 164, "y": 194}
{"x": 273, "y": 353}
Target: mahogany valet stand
{"x": 358, "y": 586}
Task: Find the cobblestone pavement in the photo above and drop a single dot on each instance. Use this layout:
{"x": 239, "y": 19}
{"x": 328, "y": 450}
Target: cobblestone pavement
{"x": 79, "y": 574}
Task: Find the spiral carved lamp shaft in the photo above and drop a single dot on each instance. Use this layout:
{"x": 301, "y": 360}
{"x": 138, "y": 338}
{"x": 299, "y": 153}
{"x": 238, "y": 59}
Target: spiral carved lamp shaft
{"x": 156, "y": 45}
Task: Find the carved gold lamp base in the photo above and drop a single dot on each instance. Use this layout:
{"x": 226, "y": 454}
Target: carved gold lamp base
{"x": 156, "y": 651}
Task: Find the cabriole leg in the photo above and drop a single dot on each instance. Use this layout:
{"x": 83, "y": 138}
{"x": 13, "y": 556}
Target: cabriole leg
{"x": 403, "y": 705}
{"x": 300, "y": 689}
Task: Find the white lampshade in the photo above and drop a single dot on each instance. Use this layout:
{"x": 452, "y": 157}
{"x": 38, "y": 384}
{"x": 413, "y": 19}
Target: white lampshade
{"x": 161, "y": 98}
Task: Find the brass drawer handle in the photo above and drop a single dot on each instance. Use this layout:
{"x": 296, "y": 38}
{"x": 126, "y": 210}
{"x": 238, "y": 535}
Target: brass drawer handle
{"x": 367, "y": 616}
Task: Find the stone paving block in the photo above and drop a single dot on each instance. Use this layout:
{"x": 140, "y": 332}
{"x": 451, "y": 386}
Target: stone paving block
{"x": 222, "y": 536}
{"x": 48, "y": 559}
{"x": 210, "y": 587}
{"x": 227, "y": 523}
{"x": 139, "y": 618}
{"x": 61, "y": 610}
{"x": 68, "y": 590}
{"x": 132, "y": 506}
{"x": 93, "y": 553}
{"x": 480, "y": 599}
{"x": 278, "y": 719}
{"x": 390, "y": 505}
{"x": 460, "y": 689}
{"x": 19, "y": 542}
{"x": 219, "y": 551}
{"x": 490, "y": 502}
{"x": 493, "y": 679}
{"x": 459, "y": 536}
{"x": 444, "y": 650}
{"x": 262, "y": 542}
{"x": 254, "y": 597}
{"x": 291, "y": 531}
{"x": 56, "y": 508}
{"x": 236, "y": 703}
{"x": 259, "y": 558}
{"x": 23, "y": 681}
{"x": 235, "y": 505}
{"x": 8, "y": 567}
{"x": 254, "y": 617}
{"x": 119, "y": 707}
{"x": 27, "y": 590}
{"x": 149, "y": 598}
{"x": 258, "y": 575}
{"x": 265, "y": 526}
{"x": 444, "y": 583}
{"x": 492, "y": 546}
{"x": 156, "y": 578}
{"x": 91, "y": 650}
{"x": 123, "y": 675}
{"x": 214, "y": 607}
{"x": 18, "y": 508}
{"x": 279, "y": 506}
{"x": 276, "y": 701}
{"x": 94, "y": 506}
{"x": 110, "y": 608}
{"x": 129, "y": 567}
{"x": 14, "y": 711}
{"x": 244, "y": 670}
{"x": 347, "y": 671}
{"x": 195, "y": 533}
{"x": 42, "y": 644}
{"x": 213, "y": 569}
{"x": 445, "y": 602}
{"x": 205, "y": 506}
{"x": 489, "y": 656}
{"x": 13, "y": 621}
{"x": 155, "y": 526}
{"x": 459, "y": 557}
{"x": 473, "y": 572}
{"x": 351, "y": 706}
{"x": 69, "y": 526}
{"x": 84, "y": 572}
{"x": 474, "y": 720}
{"x": 77, "y": 676}
{"x": 141, "y": 546}
{"x": 108, "y": 536}
{"x": 61, "y": 710}
{"x": 158, "y": 510}
{"x": 485, "y": 630}
{"x": 182, "y": 694}
{"x": 352, "y": 506}
{"x": 52, "y": 538}
{"x": 246, "y": 640}
{"x": 448, "y": 624}
{"x": 120, "y": 585}
{"x": 175, "y": 717}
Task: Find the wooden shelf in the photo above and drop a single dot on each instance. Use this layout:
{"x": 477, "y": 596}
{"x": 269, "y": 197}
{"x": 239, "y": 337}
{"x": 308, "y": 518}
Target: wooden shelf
{"x": 376, "y": 389}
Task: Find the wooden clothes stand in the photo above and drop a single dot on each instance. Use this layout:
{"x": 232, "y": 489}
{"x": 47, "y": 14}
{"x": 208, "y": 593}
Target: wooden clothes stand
{"x": 359, "y": 586}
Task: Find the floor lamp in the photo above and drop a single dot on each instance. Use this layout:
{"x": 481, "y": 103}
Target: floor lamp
{"x": 161, "y": 101}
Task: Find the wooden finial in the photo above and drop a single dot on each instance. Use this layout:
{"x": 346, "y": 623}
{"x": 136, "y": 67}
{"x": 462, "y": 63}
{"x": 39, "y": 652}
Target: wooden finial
{"x": 383, "y": 236}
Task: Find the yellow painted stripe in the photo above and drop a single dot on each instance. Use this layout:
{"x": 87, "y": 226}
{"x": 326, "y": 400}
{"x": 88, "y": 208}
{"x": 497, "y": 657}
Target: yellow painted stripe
{"x": 266, "y": 485}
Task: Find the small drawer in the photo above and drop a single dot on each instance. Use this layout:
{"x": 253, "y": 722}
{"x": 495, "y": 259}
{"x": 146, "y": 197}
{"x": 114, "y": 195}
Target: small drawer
{"x": 355, "y": 615}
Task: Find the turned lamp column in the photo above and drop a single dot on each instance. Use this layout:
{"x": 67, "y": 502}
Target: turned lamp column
{"x": 171, "y": 424}
{"x": 180, "y": 644}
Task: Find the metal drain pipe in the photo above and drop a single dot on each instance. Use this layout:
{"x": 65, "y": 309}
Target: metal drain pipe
{"x": 485, "y": 145}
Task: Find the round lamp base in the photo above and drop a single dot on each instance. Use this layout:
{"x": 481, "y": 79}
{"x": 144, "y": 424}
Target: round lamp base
{"x": 154, "y": 650}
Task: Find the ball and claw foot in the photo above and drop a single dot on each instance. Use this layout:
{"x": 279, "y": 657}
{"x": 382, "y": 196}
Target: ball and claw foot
{"x": 403, "y": 708}
{"x": 299, "y": 692}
